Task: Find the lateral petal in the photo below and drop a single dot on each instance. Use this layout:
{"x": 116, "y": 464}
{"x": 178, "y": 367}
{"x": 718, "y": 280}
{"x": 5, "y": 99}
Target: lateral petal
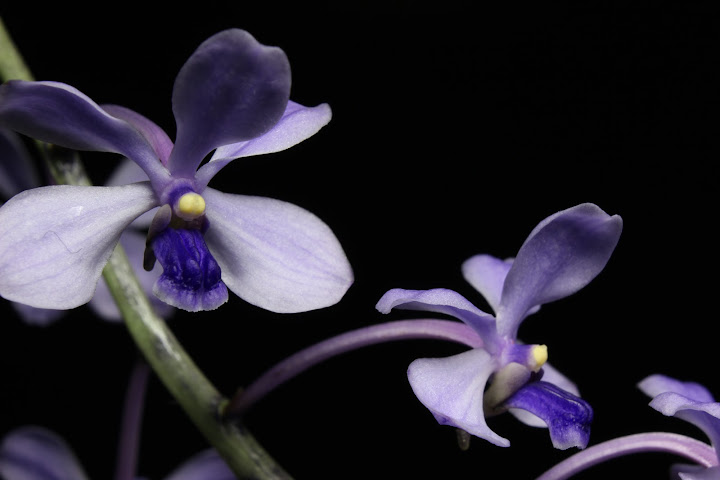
{"x": 60, "y": 114}
{"x": 231, "y": 89}
{"x": 203, "y": 466}
{"x": 274, "y": 254}
{"x": 561, "y": 255}
{"x": 156, "y": 136}
{"x": 487, "y": 275}
{"x": 445, "y": 301}
{"x": 452, "y": 389}
{"x": 34, "y": 453}
{"x": 56, "y": 240}
{"x": 298, "y": 123}
{"x": 39, "y": 317}
{"x": 654, "y": 385}
{"x": 127, "y": 172}
{"x": 16, "y": 166}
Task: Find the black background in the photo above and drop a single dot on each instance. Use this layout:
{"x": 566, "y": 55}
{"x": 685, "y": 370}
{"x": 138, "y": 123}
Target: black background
{"x": 455, "y": 131}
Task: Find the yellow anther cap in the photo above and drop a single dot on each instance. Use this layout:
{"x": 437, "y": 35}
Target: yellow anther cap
{"x": 191, "y": 206}
{"x": 540, "y": 355}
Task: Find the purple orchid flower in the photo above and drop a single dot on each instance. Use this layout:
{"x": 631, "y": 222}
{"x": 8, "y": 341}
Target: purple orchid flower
{"x": 35, "y": 453}
{"x": 17, "y": 174}
{"x": 693, "y": 403}
{"x": 561, "y": 255}
{"x": 230, "y": 97}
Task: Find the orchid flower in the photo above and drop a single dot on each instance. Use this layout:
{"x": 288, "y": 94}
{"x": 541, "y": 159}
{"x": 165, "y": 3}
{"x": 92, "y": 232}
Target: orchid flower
{"x": 35, "y": 453}
{"x": 693, "y": 403}
{"x": 686, "y": 400}
{"x": 17, "y": 174}
{"x": 230, "y": 97}
{"x": 561, "y": 255}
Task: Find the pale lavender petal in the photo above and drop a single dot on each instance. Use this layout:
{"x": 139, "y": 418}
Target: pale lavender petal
{"x": 445, "y": 301}
{"x": 694, "y": 472}
{"x": 452, "y": 389}
{"x": 550, "y": 375}
{"x": 56, "y": 240}
{"x": 206, "y": 465}
{"x": 487, "y": 275}
{"x": 704, "y": 415}
{"x": 39, "y": 317}
{"x": 34, "y": 453}
{"x": 527, "y": 418}
{"x": 102, "y": 302}
{"x": 297, "y": 124}
{"x": 567, "y": 416}
{"x": 125, "y": 173}
{"x": 561, "y": 255}
{"x": 156, "y": 136}
{"x": 275, "y": 255}
{"x": 230, "y": 90}
{"x": 654, "y": 385}
{"x": 60, "y": 114}
{"x": 16, "y": 166}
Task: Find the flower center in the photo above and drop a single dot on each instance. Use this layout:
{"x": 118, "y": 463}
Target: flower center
{"x": 539, "y": 356}
{"x": 190, "y": 206}
{"x": 523, "y": 364}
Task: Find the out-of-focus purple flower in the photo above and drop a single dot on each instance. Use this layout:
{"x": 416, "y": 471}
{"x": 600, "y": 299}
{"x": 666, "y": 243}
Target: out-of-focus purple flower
{"x": 35, "y": 453}
{"x": 693, "y": 403}
{"x": 17, "y": 173}
{"x": 561, "y": 255}
{"x": 230, "y": 97}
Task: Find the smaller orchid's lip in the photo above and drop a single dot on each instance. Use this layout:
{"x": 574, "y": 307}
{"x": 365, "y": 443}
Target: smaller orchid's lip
{"x": 567, "y": 416}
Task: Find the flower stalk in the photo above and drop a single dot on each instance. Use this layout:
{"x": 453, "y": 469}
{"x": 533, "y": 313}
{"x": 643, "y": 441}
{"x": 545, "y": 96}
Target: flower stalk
{"x": 695, "y": 450}
{"x": 346, "y": 342}
{"x": 180, "y": 375}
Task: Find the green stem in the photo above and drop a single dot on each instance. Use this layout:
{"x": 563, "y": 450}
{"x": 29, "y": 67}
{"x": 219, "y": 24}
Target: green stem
{"x": 188, "y": 385}
{"x": 197, "y": 396}
{"x": 12, "y": 65}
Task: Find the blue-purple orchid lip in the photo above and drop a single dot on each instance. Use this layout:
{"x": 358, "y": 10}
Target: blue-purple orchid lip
{"x": 568, "y": 417}
{"x": 191, "y": 277}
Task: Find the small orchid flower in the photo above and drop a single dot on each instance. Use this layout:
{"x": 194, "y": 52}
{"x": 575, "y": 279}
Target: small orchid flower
{"x": 561, "y": 255}
{"x": 35, "y": 453}
{"x": 17, "y": 174}
{"x": 693, "y": 403}
{"x": 230, "y": 97}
